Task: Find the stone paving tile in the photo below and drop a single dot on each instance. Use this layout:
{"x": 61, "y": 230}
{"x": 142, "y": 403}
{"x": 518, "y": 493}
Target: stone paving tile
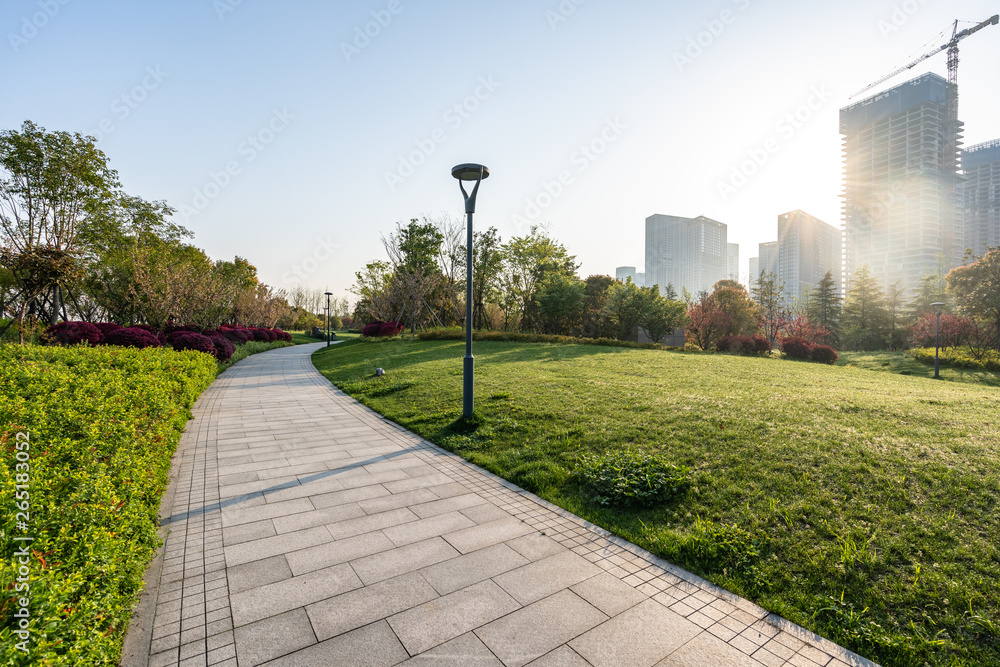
{"x": 544, "y": 577}
{"x": 362, "y": 606}
{"x": 563, "y": 656}
{"x": 456, "y": 573}
{"x": 332, "y": 536}
{"x": 273, "y": 637}
{"x": 462, "y": 651}
{"x": 341, "y": 551}
{"x": 707, "y": 651}
{"x": 487, "y": 534}
{"x": 640, "y": 636}
{"x": 387, "y": 564}
{"x": 257, "y": 603}
{"x": 612, "y": 596}
{"x": 425, "y": 626}
{"x": 374, "y": 645}
{"x": 533, "y": 631}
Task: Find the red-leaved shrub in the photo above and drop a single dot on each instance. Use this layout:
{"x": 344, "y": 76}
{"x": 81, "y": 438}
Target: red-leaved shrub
{"x": 73, "y": 333}
{"x": 797, "y": 348}
{"x": 131, "y": 337}
{"x": 390, "y": 329}
{"x": 824, "y": 354}
{"x": 107, "y": 327}
{"x": 372, "y": 329}
{"x": 189, "y": 340}
{"x": 237, "y": 336}
{"x": 224, "y": 348}
{"x": 761, "y": 345}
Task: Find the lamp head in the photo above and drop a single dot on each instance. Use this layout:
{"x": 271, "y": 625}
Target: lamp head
{"x": 328, "y": 293}
{"x": 937, "y": 306}
{"x": 470, "y": 172}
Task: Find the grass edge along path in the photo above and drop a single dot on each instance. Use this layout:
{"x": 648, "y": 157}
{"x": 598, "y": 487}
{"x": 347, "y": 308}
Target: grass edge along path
{"x": 859, "y": 505}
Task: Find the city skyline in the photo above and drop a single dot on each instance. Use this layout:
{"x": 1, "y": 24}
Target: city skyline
{"x": 328, "y": 125}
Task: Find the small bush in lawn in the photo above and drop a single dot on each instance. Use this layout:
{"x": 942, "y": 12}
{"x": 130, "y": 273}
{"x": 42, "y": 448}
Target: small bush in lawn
{"x": 283, "y": 335}
{"x": 630, "y": 478}
{"x": 371, "y": 330}
{"x": 189, "y": 340}
{"x": 736, "y": 345}
{"x": 73, "y": 333}
{"x": 797, "y": 348}
{"x": 390, "y": 329}
{"x": 132, "y": 337}
{"x": 825, "y": 354}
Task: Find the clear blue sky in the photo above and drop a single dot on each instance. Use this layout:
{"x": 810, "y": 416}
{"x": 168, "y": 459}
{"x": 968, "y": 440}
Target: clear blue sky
{"x": 287, "y": 138}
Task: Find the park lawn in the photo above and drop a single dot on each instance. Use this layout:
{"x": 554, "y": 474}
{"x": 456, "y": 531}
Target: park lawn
{"x": 902, "y": 363}
{"x": 860, "y": 505}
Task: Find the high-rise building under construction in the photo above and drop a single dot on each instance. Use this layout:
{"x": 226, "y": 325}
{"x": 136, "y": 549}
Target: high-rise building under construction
{"x": 981, "y": 169}
{"x": 901, "y": 208}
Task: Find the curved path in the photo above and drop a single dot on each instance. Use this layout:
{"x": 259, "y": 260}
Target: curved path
{"x": 301, "y": 528}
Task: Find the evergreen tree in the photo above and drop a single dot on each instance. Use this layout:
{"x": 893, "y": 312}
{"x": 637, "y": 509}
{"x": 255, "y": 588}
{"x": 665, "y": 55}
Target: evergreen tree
{"x": 824, "y": 305}
{"x": 864, "y": 320}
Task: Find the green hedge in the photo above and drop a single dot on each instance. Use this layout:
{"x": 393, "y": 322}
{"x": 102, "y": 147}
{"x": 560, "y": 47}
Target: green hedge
{"x": 959, "y": 357}
{"x": 102, "y": 424}
{"x": 512, "y": 337}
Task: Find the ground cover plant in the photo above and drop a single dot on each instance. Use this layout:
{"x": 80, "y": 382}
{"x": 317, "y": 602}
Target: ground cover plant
{"x": 861, "y": 505}
{"x": 101, "y": 425}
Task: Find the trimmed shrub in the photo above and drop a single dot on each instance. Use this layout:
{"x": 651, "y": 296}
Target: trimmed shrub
{"x": 136, "y": 336}
{"x": 824, "y": 354}
{"x": 224, "y": 348}
{"x": 797, "y": 348}
{"x": 237, "y": 336}
{"x": 390, "y": 329}
{"x": 260, "y": 335}
{"x": 189, "y": 340}
{"x": 107, "y": 327}
{"x": 761, "y": 345}
{"x": 372, "y": 329}
{"x": 736, "y": 345}
{"x": 73, "y": 333}
{"x": 283, "y": 335}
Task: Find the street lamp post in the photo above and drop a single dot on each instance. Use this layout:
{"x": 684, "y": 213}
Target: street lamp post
{"x": 469, "y": 172}
{"x": 937, "y": 306}
{"x": 328, "y": 295}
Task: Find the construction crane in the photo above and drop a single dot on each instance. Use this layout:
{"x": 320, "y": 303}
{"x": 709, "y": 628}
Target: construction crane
{"x": 951, "y": 46}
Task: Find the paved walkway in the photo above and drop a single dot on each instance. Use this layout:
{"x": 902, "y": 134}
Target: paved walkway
{"x": 304, "y": 529}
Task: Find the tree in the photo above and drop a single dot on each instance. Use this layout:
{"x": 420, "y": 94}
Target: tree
{"x": 560, "y": 303}
{"x": 418, "y": 285}
{"x": 864, "y": 318}
{"x": 824, "y": 305}
{"x": 527, "y": 261}
{"x": 707, "y": 323}
{"x": 624, "y": 308}
{"x": 768, "y": 294}
{"x": 732, "y": 298}
{"x": 51, "y": 183}
{"x": 488, "y": 262}
{"x": 595, "y": 297}
{"x": 661, "y": 315}
{"x": 976, "y": 287}
{"x": 933, "y": 288}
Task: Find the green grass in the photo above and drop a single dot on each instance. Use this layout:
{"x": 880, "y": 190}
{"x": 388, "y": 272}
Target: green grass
{"x": 901, "y": 363}
{"x": 860, "y": 505}
{"x": 302, "y": 338}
